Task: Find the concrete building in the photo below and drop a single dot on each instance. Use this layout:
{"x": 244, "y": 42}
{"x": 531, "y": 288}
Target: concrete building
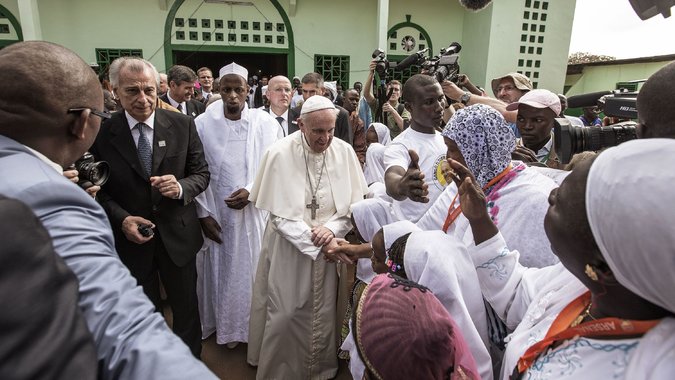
{"x": 293, "y": 37}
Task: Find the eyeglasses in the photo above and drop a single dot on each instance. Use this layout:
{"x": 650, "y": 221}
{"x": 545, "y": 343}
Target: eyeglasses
{"x": 102, "y": 114}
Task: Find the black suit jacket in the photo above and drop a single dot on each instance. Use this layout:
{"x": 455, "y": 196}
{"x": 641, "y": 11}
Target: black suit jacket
{"x": 194, "y": 107}
{"x": 293, "y": 115}
{"x": 342, "y": 129}
{"x": 177, "y": 150}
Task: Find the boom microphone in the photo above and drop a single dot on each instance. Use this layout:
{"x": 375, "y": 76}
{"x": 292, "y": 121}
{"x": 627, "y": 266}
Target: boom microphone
{"x": 586, "y": 100}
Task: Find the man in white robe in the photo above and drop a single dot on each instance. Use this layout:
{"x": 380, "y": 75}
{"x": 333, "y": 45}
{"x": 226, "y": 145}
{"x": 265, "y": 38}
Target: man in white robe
{"x": 293, "y": 312}
{"x": 235, "y": 138}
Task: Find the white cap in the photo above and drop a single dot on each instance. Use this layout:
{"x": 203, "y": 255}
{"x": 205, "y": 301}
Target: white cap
{"x": 233, "y": 68}
{"x": 317, "y": 103}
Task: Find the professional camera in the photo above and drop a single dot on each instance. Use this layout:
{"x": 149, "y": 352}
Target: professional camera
{"x": 382, "y": 67}
{"x": 91, "y": 173}
{"x": 382, "y": 64}
{"x": 444, "y": 65}
{"x": 570, "y": 139}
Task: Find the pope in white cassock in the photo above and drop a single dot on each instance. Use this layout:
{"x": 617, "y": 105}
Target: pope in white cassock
{"x": 307, "y": 181}
{"x": 234, "y": 138}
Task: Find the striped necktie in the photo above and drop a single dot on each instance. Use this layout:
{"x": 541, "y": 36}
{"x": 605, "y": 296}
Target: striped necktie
{"x": 144, "y": 150}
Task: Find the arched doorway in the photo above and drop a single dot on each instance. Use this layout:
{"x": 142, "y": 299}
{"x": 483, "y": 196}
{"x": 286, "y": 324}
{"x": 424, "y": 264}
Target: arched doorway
{"x": 213, "y": 33}
{"x": 10, "y": 29}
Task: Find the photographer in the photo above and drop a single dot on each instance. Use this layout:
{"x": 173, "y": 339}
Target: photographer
{"x": 397, "y": 117}
{"x": 73, "y": 175}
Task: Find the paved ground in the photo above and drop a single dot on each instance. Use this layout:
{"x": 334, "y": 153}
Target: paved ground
{"x": 231, "y": 364}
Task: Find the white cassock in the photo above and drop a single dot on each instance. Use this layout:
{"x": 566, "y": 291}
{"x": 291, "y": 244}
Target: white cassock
{"x": 293, "y": 312}
{"x": 233, "y": 150}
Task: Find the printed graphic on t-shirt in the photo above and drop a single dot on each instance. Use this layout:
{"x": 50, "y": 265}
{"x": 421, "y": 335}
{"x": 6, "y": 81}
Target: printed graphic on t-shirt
{"x": 439, "y": 179}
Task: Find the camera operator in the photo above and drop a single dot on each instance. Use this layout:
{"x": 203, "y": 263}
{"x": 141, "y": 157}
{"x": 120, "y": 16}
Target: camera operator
{"x": 398, "y": 118}
{"x": 508, "y": 89}
{"x": 537, "y": 111}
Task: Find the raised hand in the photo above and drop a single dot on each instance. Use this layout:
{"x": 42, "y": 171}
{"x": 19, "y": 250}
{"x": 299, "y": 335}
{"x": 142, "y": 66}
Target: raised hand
{"x": 471, "y": 196}
{"x": 412, "y": 183}
{"x": 473, "y": 203}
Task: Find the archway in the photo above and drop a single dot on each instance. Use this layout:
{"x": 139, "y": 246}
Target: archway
{"x": 10, "y": 29}
{"x": 209, "y": 33}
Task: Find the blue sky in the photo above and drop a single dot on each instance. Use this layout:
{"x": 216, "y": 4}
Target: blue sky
{"x": 611, "y": 27}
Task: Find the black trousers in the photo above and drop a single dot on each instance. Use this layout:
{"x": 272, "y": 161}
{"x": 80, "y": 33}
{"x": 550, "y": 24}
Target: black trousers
{"x": 180, "y": 284}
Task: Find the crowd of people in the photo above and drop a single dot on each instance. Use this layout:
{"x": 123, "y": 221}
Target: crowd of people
{"x": 471, "y": 251}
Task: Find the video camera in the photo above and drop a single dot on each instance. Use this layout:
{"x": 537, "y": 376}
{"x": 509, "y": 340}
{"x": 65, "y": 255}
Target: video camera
{"x": 444, "y": 65}
{"x": 382, "y": 67}
{"x": 571, "y": 139}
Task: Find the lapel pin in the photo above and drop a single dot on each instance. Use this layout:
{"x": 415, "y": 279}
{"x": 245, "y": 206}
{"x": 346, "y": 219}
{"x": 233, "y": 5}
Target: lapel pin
{"x": 162, "y": 143}
{"x": 193, "y": 114}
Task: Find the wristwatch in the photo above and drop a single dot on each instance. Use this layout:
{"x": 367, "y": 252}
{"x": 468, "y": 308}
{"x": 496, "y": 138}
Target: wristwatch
{"x": 465, "y": 98}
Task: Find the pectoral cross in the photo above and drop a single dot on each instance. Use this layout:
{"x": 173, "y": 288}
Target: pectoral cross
{"x": 314, "y": 206}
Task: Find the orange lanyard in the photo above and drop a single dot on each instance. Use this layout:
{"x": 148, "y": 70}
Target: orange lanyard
{"x": 453, "y": 212}
{"x": 560, "y": 329}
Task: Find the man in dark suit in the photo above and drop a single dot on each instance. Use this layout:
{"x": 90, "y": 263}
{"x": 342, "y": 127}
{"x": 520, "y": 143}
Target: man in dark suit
{"x": 36, "y": 143}
{"x": 157, "y": 167}
{"x": 279, "y": 92}
{"x": 181, "y": 88}
{"x": 312, "y": 84}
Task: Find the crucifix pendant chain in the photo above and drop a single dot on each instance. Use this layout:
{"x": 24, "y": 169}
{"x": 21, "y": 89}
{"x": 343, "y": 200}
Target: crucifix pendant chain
{"x": 313, "y": 205}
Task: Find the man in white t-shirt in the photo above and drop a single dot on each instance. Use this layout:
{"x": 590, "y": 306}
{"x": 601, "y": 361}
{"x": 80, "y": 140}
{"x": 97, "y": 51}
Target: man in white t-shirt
{"x": 413, "y": 175}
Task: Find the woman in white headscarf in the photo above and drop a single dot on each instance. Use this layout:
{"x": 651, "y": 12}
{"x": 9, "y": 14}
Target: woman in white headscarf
{"x": 478, "y": 137}
{"x": 381, "y": 240}
{"x": 377, "y": 137}
{"x": 606, "y": 310}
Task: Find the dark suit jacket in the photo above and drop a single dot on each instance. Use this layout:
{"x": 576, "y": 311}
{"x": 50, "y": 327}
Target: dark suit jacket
{"x": 177, "y": 150}
{"x": 293, "y": 115}
{"x": 194, "y": 107}
{"x": 342, "y": 129}
{"x": 44, "y": 335}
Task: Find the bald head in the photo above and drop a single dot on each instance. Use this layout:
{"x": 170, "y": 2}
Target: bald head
{"x": 41, "y": 82}
{"x": 654, "y": 103}
{"x": 279, "y": 94}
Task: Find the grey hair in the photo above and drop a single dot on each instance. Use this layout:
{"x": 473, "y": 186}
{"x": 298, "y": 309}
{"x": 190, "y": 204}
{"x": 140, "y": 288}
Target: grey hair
{"x": 134, "y": 64}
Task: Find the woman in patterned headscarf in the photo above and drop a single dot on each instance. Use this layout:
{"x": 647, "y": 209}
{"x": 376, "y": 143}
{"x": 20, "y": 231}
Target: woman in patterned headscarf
{"x": 478, "y": 137}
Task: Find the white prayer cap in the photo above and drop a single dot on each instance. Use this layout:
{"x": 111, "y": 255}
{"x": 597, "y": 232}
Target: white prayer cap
{"x": 332, "y": 87}
{"x": 233, "y": 68}
{"x": 396, "y": 230}
{"x": 627, "y": 193}
{"x": 317, "y": 103}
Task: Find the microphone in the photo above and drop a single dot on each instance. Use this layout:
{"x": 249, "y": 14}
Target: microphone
{"x": 586, "y": 100}
{"x": 412, "y": 59}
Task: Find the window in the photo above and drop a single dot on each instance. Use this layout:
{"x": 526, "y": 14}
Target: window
{"x": 333, "y": 68}
{"x": 629, "y": 86}
{"x": 206, "y": 36}
{"x": 104, "y": 57}
{"x": 206, "y": 23}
